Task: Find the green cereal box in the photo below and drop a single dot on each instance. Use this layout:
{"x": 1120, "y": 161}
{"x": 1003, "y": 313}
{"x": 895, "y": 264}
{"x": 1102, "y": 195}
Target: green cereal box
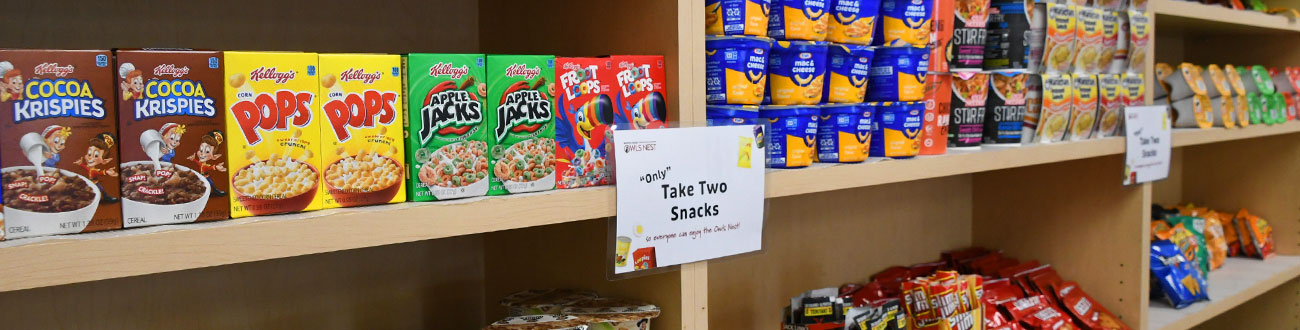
{"x": 447, "y": 129}
{"x": 522, "y": 138}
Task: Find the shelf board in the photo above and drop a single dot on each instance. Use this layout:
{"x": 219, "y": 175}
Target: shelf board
{"x": 1238, "y": 281}
{"x": 58, "y": 260}
{"x": 1216, "y": 20}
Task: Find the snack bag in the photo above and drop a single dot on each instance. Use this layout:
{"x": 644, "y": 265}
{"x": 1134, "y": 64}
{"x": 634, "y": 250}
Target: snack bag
{"x": 521, "y": 92}
{"x": 1058, "y": 99}
{"x": 1059, "y": 30}
{"x": 1229, "y": 232}
{"x": 1083, "y": 123}
{"x": 1088, "y": 40}
{"x": 1134, "y": 90}
{"x": 1188, "y": 233}
{"x": 1157, "y": 227}
{"x": 1179, "y": 282}
{"x": 1110, "y": 104}
{"x": 1214, "y": 240}
{"x": 361, "y": 141}
{"x": 1139, "y": 37}
{"x": 1085, "y": 309}
{"x": 1260, "y": 234}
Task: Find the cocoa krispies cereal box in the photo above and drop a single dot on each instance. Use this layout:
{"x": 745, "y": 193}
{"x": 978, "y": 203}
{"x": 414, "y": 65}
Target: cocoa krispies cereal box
{"x": 58, "y": 142}
{"x": 585, "y": 110}
{"x": 640, "y": 92}
{"x": 520, "y": 98}
{"x": 447, "y": 129}
{"x": 274, "y": 135}
{"x": 361, "y": 135}
{"x": 173, "y": 148}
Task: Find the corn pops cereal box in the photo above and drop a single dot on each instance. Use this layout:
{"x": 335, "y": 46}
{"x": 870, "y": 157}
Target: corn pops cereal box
{"x": 522, "y": 141}
{"x": 585, "y": 112}
{"x": 60, "y": 143}
{"x": 361, "y": 135}
{"x": 174, "y": 136}
{"x": 447, "y": 128}
{"x": 639, "y": 101}
{"x": 274, "y": 135}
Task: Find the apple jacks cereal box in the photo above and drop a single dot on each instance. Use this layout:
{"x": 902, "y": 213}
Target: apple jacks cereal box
{"x": 274, "y": 143}
{"x": 361, "y": 138}
{"x": 584, "y": 110}
{"x": 447, "y": 128}
{"x": 522, "y": 144}
{"x": 59, "y": 141}
{"x": 173, "y": 148}
{"x": 640, "y": 92}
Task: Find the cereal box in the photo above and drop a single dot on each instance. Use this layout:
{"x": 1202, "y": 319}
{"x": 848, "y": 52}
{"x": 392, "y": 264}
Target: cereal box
{"x": 585, "y": 111}
{"x": 447, "y": 131}
{"x": 522, "y": 143}
{"x": 639, "y": 101}
{"x": 274, "y": 137}
{"x": 173, "y": 149}
{"x": 361, "y": 135}
{"x": 58, "y": 103}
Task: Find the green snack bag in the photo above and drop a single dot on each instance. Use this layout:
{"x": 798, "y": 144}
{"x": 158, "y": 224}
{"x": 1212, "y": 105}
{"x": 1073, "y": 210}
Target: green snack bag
{"x": 1196, "y": 226}
{"x": 520, "y": 102}
{"x": 446, "y": 127}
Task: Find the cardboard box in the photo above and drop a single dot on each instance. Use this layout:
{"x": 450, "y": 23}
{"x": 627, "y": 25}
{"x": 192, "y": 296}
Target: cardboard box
{"x": 520, "y": 97}
{"x": 59, "y": 112}
{"x": 361, "y": 134}
{"x": 171, "y": 113}
{"x": 585, "y": 110}
{"x": 640, "y": 101}
{"x": 447, "y": 128}
{"x": 274, "y": 143}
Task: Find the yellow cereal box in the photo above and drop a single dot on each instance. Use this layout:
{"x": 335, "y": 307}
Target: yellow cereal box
{"x": 361, "y": 134}
{"x": 274, "y": 134}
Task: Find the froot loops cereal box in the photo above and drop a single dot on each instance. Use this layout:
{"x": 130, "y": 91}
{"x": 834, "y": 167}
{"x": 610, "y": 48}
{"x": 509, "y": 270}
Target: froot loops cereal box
{"x": 639, "y": 96}
{"x": 584, "y": 110}
{"x": 520, "y": 101}
{"x": 174, "y": 136}
{"x": 274, "y": 135}
{"x": 447, "y": 127}
{"x": 60, "y": 143}
{"x": 361, "y": 134}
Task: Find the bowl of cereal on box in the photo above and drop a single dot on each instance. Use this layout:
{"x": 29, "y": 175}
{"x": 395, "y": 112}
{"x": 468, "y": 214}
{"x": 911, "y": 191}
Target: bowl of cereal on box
{"x": 166, "y": 190}
{"x": 455, "y": 170}
{"x": 279, "y": 184}
{"x": 57, "y": 196}
{"x": 366, "y": 178}
{"x": 526, "y": 163}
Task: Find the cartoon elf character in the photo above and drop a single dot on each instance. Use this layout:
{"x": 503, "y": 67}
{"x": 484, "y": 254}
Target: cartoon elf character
{"x": 171, "y": 138}
{"x": 208, "y": 152}
{"x": 11, "y": 82}
{"x": 95, "y": 158}
{"x": 132, "y": 81}
{"x": 56, "y": 138}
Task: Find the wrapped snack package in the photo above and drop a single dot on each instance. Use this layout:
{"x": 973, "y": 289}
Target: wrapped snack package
{"x": 535, "y": 322}
{"x": 1255, "y": 234}
{"x": 543, "y": 301}
{"x": 1190, "y": 240}
{"x": 606, "y": 313}
{"x": 1085, "y": 309}
{"x": 1179, "y": 282}
{"x": 1214, "y": 240}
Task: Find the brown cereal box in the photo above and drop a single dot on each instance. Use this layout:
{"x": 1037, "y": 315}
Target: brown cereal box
{"x": 59, "y": 142}
{"x": 274, "y": 135}
{"x": 173, "y": 149}
{"x": 361, "y": 139}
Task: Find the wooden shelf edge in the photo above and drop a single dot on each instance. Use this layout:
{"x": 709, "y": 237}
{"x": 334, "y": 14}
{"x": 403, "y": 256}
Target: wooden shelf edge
{"x": 1191, "y": 137}
{"x": 1251, "y": 278}
{"x": 1222, "y": 15}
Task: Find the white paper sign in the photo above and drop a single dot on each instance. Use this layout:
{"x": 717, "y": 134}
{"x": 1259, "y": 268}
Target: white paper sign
{"x": 687, "y": 194}
{"x": 1148, "y": 144}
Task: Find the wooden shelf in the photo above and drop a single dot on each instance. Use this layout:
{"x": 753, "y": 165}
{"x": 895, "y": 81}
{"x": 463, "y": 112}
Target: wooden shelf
{"x": 1237, "y": 282}
{"x": 80, "y": 258}
{"x": 1215, "y": 20}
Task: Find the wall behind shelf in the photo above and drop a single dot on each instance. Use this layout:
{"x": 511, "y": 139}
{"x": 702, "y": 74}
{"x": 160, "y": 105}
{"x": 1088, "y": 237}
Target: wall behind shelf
{"x": 420, "y": 285}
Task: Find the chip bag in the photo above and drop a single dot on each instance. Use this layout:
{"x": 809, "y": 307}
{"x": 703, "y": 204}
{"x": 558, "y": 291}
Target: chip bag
{"x": 1158, "y": 226}
{"x": 1214, "y": 240}
{"x": 1258, "y": 231}
{"x": 1085, "y": 309}
{"x": 1179, "y": 282}
{"x": 1190, "y": 240}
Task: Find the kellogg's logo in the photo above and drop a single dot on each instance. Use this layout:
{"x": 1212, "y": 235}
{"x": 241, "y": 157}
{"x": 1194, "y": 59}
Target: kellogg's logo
{"x": 639, "y": 146}
{"x": 171, "y": 70}
{"x": 447, "y": 69}
{"x": 360, "y": 74}
{"x": 54, "y": 69}
{"x": 520, "y": 70}
{"x": 263, "y": 73}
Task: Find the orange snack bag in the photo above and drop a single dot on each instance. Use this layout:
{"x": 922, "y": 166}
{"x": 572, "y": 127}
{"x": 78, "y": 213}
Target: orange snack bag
{"x": 1229, "y": 233}
{"x": 1214, "y": 239}
{"x": 1255, "y": 234}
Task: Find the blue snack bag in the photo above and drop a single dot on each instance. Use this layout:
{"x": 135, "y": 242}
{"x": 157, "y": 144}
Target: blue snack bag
{"x": 1178, "y": 279}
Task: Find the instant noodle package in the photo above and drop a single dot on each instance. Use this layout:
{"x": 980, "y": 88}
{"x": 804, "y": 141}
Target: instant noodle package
{"x": 970, "y": 92}
{"x": 447, "y": 129}
{"x": 521, "y": 140}
{"x": 274, "y": 134}
{"x": 60, "y": 172}
{"x": 174, "y": 157}
{"x": 1083, "y": 120}
{"x": 1005, "y": 110}
{"x": 362, "y": 145}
